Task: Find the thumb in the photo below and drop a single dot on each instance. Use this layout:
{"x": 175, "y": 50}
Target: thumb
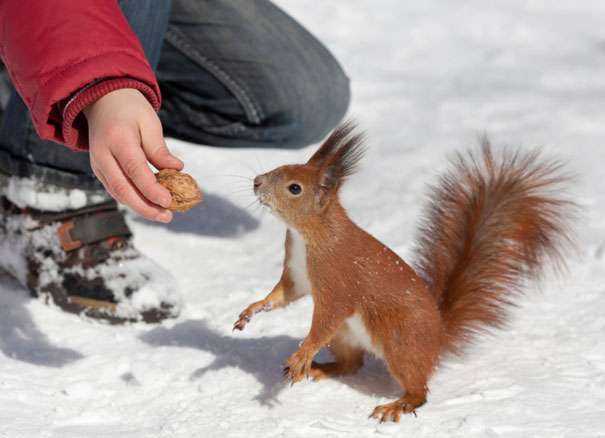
{"x": 155, "y": 148}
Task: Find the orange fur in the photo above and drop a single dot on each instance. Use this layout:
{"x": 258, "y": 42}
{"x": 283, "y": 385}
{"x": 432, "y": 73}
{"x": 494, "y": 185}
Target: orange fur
{"x": 489, "y": 226}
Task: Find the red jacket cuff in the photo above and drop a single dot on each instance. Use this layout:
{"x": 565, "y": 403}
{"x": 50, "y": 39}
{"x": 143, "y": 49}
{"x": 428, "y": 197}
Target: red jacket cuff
{"x": 74, "y": 125}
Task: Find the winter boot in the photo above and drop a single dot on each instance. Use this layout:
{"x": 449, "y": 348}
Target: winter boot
{"x": 82, "y": 259}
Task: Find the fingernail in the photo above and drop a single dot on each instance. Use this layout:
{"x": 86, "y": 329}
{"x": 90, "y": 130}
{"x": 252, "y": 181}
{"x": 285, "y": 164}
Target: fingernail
{"x": 165, "y": 216}
{"x": 165, "y": 201}
{"x": 177, "y": 160}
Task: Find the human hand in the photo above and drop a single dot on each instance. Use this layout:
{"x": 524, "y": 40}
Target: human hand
{"x": 125, "y": 134}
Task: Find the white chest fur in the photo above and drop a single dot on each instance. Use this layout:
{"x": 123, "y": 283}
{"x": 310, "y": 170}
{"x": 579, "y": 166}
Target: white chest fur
{"x": 297, "y": 263}
{"x": 359, "y": 336}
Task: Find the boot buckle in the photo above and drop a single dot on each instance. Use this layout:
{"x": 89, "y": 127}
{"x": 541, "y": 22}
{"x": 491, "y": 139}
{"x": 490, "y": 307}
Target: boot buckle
{"x": 67, "y": 243}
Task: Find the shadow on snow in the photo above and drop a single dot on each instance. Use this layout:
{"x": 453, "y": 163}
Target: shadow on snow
{"x": 262, "y": 358}
{"x": 215, "y": 216}
{"x": 20, "y": 339}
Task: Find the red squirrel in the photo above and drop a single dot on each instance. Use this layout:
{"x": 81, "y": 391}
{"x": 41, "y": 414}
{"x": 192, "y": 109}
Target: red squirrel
{"x": 491, "y": 224}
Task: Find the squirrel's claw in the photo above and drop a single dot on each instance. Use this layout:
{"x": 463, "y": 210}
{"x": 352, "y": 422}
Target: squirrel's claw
{"x": 240, "y": 324}
{"x": 286, "y": 374}
{"x": 392, "y": 411}
{"x": 298, "y": 366}
{"x": 292, "y": 375}
{"x": 384, "y": 414}
{"x": 249, "y": 312}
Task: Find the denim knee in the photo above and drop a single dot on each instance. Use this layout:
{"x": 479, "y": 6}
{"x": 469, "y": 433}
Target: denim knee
{"x": 312, "y": 105}
{"x": 243, "y": 73}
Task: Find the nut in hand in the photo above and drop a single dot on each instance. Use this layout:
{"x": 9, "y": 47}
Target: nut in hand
{"x": 184, "y": 190}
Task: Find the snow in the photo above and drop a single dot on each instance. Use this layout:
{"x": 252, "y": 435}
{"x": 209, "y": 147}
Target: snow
{"x": 29, "y": 192}
{"x": 428, "y": 78}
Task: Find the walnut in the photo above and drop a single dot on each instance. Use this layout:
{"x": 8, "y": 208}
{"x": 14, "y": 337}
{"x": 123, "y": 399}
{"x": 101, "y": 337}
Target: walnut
{"x": 184, "y": 190}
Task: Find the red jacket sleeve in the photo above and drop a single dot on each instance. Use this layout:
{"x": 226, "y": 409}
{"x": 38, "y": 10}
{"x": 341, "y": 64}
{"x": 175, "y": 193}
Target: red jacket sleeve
{"x": 62, "y": 55}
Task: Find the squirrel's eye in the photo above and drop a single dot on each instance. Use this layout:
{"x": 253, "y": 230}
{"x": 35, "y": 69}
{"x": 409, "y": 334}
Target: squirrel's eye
{"x": 294, "y": 188}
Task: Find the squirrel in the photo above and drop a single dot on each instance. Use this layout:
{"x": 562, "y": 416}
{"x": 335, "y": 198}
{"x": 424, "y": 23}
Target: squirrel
{"x": 491, "y": 224}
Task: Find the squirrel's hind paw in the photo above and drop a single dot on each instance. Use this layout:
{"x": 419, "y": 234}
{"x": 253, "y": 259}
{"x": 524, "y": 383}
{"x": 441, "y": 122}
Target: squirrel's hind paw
{"x": 298, "y": 366}
{"x": 392, "y": 411}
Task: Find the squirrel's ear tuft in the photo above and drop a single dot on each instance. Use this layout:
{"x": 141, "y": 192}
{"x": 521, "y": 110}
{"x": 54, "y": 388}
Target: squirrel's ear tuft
{"x": 340, "y": 160}
{"x": 333, "y": 142}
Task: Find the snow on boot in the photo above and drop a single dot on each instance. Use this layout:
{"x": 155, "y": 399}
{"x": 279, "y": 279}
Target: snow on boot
{"x": 83, "y": 261}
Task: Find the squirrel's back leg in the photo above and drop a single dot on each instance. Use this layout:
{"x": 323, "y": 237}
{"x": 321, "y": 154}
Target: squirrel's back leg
{"x": 348, "y": 358}
{"x": 411, "y": 360}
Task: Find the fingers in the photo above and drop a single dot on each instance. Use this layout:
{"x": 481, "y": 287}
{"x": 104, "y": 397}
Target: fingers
{"x": 125, "y": 134}
{"x": 154, "y": 145}
{"x": 133, "y": 163}
{"x": 117, "y": 184}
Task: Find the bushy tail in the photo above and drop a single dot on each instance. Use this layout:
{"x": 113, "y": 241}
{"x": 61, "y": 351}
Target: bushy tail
{"x": 491, "y": 225}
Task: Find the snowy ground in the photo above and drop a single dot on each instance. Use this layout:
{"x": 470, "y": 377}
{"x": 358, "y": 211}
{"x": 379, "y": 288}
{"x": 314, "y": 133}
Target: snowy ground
{"x": 428, "y": 78}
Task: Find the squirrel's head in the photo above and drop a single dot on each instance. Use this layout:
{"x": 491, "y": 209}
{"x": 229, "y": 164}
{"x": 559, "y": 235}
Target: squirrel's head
{"x": 297, "y": 192}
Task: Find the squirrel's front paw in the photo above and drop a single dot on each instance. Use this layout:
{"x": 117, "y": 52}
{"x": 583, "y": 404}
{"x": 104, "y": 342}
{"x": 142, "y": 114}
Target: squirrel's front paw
{"x": 249, "y": 312}
{"x": 298, "y": 366}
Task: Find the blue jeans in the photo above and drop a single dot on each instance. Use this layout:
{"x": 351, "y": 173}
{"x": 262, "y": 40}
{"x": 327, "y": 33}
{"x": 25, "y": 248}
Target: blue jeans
{"x": 233, "y": 73}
